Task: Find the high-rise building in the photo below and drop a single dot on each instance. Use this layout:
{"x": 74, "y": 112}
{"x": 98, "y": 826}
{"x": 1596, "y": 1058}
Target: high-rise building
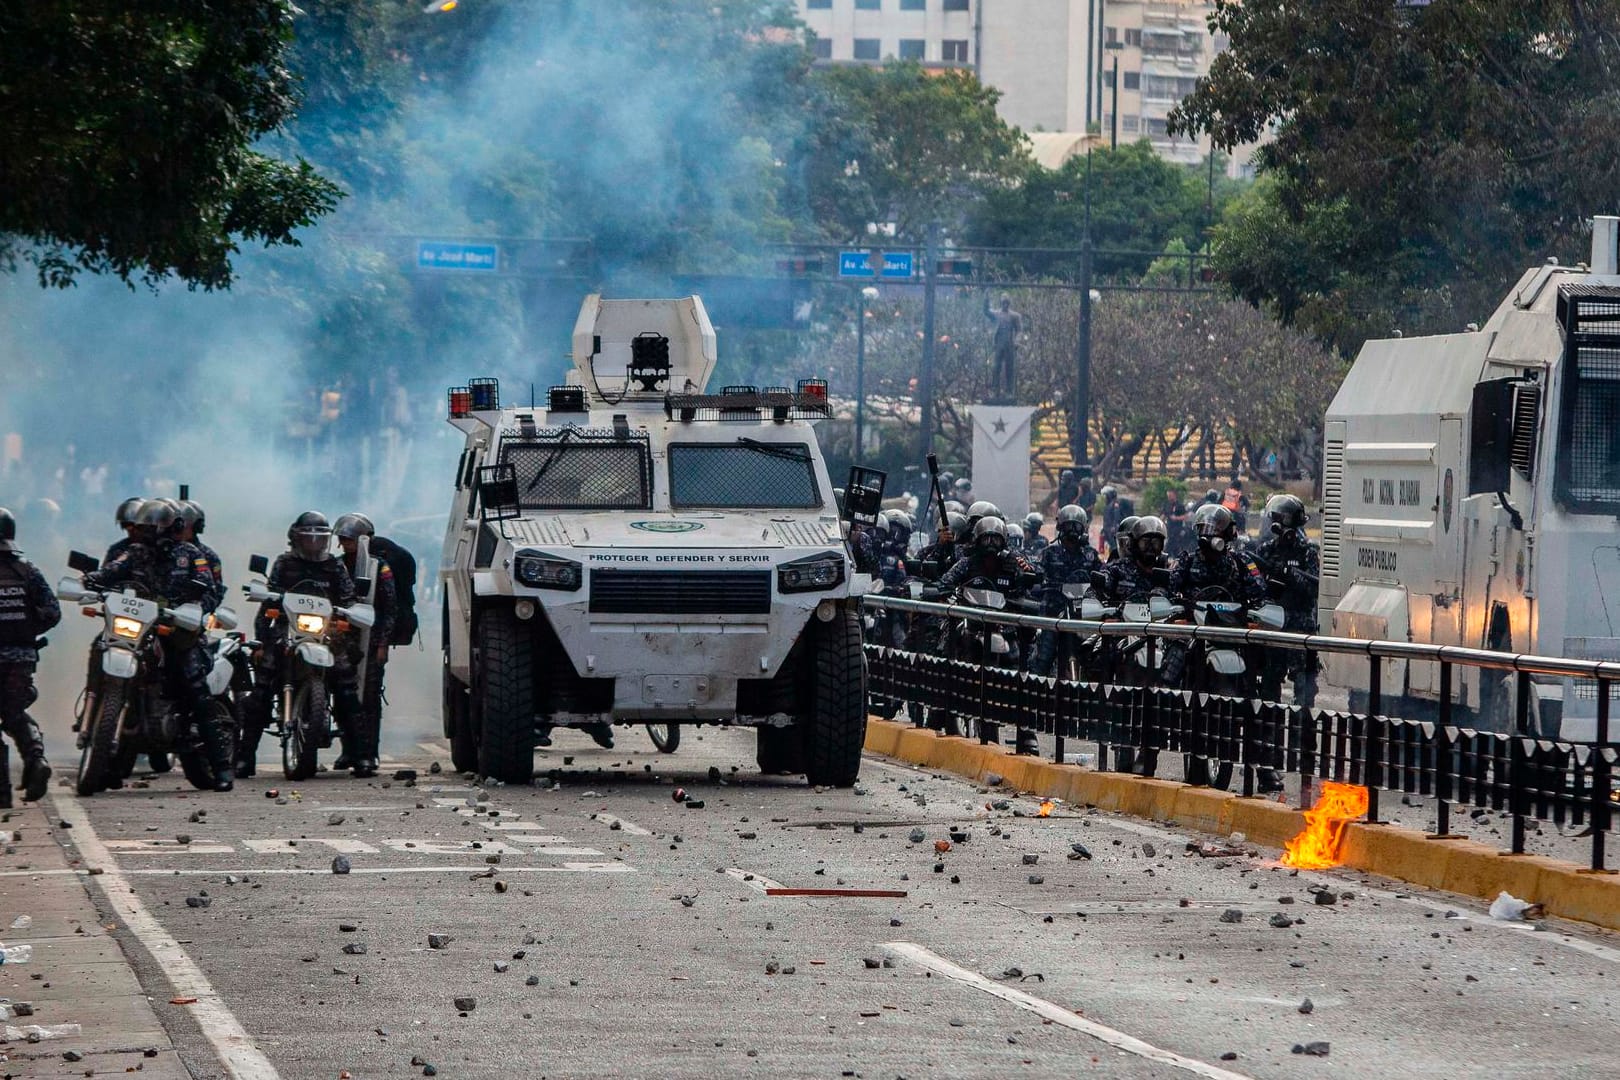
{"x": 1054, "y": 61}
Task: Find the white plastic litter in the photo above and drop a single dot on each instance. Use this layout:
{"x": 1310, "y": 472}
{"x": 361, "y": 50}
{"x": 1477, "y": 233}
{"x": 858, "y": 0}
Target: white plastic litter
{"x": 16, "y": 954}
{"x": 1509, "y": 908}
{"x": 41, "y": 1032}
{"x": 22, "y": 922}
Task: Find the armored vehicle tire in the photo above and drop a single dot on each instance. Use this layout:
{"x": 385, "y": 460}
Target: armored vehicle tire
{"x": 458, "y": 724}
{"x": 835, "y": 723}
{"x": 504, "y": 696}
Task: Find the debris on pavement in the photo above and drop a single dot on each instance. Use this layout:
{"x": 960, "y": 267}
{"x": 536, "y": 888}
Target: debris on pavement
{"x": 1314, "y": 1049}
{"x": 1307, "y": 1007}
{"x": 438, "y": 941}
{"x": 1281, "y": 921}
{"x": 1509, "y": 908}
{"x": 1232, "y": 915}
{"x": 340, "y": 864}
{"x": 466, "y": 1004}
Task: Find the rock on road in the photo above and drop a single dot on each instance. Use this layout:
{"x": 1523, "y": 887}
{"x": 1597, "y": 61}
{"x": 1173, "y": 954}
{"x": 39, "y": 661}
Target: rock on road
{"x": 601, "y": 928}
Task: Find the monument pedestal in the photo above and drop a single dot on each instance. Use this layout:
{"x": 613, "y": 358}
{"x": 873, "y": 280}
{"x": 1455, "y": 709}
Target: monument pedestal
{"x": 1001, "y": 436}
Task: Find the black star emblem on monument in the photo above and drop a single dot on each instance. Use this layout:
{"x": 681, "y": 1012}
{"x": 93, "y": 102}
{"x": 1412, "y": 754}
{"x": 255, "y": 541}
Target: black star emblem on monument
{"x": 1000, "y": 426}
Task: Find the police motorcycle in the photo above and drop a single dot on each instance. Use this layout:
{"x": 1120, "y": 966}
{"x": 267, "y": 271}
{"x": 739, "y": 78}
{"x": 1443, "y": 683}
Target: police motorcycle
{"x": 1219, "y": 668}
{"x": 129, "y": 715}
{"x": 302, "y": 712}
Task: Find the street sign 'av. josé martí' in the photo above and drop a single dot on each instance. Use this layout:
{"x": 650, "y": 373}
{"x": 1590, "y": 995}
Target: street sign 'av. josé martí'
{"x": 870, "y": 264}
{"x": 457, "y": 255}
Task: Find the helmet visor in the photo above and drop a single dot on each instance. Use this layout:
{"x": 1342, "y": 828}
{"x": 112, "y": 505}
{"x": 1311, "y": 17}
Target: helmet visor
{"x": 312, "y": 544}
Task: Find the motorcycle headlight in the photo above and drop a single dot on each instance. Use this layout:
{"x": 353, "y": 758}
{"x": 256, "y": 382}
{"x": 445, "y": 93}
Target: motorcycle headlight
{"x": 124, "y": 626}
{"x": 310, "y": 624}
{"x": 544, "y": 572}
{"x": 813, "y": 574}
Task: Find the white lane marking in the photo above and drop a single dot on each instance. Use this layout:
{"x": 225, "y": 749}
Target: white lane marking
{"x": 43, "y": 873}
{"x": 249, "y": 872}
{"x": 1059, "y": 1015}
{"x": 757, "y": 882}
{"x": 565, "y": 850}
{"x": 624, "y": 826}
{"x": 165, "y": 847}
{"x": 436, "y": 751}
{"x": 288, "y": 846}
{"x": 231, "y": 1042}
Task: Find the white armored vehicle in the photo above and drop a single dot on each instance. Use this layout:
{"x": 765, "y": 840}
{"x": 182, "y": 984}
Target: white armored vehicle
{"x": 640, "y": 551}
{"x": 1471, "y": 489}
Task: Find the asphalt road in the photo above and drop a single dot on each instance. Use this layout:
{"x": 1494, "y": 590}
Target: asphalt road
{"x": 634, "y": 936}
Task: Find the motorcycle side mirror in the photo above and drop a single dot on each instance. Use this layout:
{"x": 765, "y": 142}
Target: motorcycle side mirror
{"x": 72, "y": 590}
{"x": 225, "y": 618}
{"x": 361, "y": 615}
{"x": 258, "y": 564}
{"x": 362, "y": 584}
{"x": 84, "y": 564}
{"x": 1161, "y": 576}
{"x": 188, "y": 617}
{"x": 1099, "y": 580}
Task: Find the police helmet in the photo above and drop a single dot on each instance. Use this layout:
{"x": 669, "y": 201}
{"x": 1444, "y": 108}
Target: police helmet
{"x": 1033, "y": 522}
{"x": 8, "y": 531}
{"x": 1285, "y": 512}
{"x": 990, "y": 536}
{"x": 1148, "y": 536}
{"x": 963, "y": 485}
{"x": 353, "y": 525}
{"x": 954, "y": 507}
{"x": 1215, "y": 526}
{"x": 1072, "y": 521}
{"x": 1122, "y": 536}
{"x": 192, "y": 515}
{"x": 1015, "y": 537}
{"x": 958, "y": 523}
{"x": 1109, "y": 493}
{"x": 310, "y": 535}
{"x": 1212, "y": 496}
{"x": 156, "y": 514}
{"x": 900, "y": 526}
{"x": 881, "y": 524}
{"x": 127, "y": 508}
{"x": 982, "y": 509}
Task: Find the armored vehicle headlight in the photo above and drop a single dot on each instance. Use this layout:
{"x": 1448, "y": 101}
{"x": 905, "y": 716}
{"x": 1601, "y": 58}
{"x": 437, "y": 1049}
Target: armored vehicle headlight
{"x": 540, "y": 572}
{"x": 811, "y": 574}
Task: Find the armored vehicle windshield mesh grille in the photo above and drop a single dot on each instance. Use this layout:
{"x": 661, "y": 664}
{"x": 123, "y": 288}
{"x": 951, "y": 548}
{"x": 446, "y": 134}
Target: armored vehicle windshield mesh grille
{"x": 747, "y": 474}
{"x": 577, "y": 473}
{"x": 1589, "y": 439}
{"x": 680, "y": 592}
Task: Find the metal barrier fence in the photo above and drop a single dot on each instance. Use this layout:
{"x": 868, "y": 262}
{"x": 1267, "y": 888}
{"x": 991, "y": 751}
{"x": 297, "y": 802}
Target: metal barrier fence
{"x": 1530, "y": 777}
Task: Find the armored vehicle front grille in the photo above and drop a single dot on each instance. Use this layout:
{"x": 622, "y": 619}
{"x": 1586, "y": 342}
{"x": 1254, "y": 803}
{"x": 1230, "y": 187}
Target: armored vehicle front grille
{"x": 680, "y": 592}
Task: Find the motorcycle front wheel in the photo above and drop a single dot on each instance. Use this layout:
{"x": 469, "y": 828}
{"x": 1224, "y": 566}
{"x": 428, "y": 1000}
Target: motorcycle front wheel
{"x": 96, "y": 760}
{"x": 301, "y": 732}
{"x": 665, "y": 736}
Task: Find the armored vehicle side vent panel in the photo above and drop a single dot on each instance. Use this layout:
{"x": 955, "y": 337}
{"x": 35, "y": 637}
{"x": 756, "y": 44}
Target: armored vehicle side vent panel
{"x": 1589, "y": 435}
{"x": 680, "y": 592}
{"x": 1526, "y": 421}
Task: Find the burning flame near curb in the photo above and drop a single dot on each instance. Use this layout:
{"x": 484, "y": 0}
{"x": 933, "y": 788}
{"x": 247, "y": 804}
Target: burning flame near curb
{"x": 1046, "y": 809}
{"x": 1317, "y": 848}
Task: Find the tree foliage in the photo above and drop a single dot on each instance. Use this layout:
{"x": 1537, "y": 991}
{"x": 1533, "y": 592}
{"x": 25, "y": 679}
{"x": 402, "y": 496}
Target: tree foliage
{"x": 1421, "y": 155}
{"x": 127, "y": 138}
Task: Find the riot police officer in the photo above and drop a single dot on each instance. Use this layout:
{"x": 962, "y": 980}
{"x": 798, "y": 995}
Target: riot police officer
{"x": 175, "y": 571}
{"x": 1034, "y": 542}
{"x": 28, "y": 609}
{"x": 125, "y": 516}
{"x": 901, "y": 527}
{"x": 192, "y": 523}
{"x": 1069, "y": 560}
{"x": 307, "y": 566}
{"x": 1293, "y": 568}
{"x": 1141, "y": 570}
{"x": 942, "y": 554}
{"x": 362, "y": 741}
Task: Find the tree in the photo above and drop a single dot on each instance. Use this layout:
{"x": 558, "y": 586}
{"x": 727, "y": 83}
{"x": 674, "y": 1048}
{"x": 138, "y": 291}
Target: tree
{"x": 1139, "y": 202}
{"x": 1421, "y": 155}
{"x": 128, "y": 136}
{"x": 899, "y": 143}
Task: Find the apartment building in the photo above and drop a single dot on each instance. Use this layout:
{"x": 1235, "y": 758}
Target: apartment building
{"x": 1054, "y": 61}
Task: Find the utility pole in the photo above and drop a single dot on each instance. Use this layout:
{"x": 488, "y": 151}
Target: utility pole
{"x": 1113, "y": 127}
{"x": 925, "y": 387}
{"x": 1080, "y": 420}
{"x": 860, "y": 371}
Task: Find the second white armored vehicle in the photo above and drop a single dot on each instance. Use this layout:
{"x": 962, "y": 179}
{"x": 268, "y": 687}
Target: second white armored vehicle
{"x": 641, "y": 551}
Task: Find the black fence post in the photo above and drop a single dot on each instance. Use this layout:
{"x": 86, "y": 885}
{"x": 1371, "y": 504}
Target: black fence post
{"x": 1517, "y": 767}
{"x": 1601, "y": 780}
{"x": 1442, "y": 769}
{"x": 1371, "y": 775}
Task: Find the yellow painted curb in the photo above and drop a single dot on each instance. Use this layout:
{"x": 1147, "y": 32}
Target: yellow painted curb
{"x": 1460, "y": 866}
